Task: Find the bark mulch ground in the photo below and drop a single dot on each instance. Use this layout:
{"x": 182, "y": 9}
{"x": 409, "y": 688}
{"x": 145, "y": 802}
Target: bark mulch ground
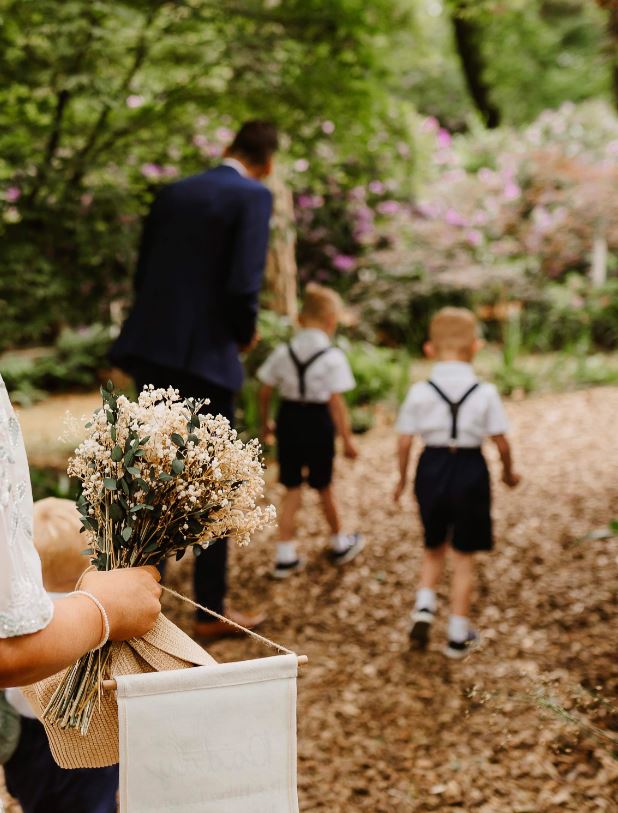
{"x": 529, "y": 723}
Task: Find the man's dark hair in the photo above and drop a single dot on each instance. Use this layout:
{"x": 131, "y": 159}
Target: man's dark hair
{"x": 256, "y": 141}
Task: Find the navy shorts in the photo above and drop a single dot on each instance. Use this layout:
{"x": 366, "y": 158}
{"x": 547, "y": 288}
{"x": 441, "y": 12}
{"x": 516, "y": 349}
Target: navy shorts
{"x": 305, "y": 444}
{"x": 454, "y": 497}
{"x": 40, "y": 786}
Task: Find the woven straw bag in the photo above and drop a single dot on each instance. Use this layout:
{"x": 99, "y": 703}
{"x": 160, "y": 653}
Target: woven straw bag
{"x": 165, "y": 647}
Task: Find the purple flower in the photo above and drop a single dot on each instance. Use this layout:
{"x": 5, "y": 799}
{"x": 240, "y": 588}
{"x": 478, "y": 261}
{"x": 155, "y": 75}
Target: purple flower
{"x": 224, "y": 134}
{"x": 301, "y": 165}
{"x": 453, "y": 218}
{"x": 428, "y": 210}
{"x": 486, "y": 175}
{"x": 403, "y": 149}
{"x": 364, "y": 214}
{"x": 168, "y": 171}
{"x": 430, "y": 124}
{"x": 474, "y": 237}
{"x": 151, "y": 171}
{"x": 214, "y": 150}
{"x": 511, "y": 191}
{"x": 444, "y": 138}
{"x": 343, "y": 262}
{"x": 12, "y": 194}
{"x": 310, "y": 201}
{"x": 388, "y": 207}
{"x": 377, "y": 187}
{"x": 357, "y": 193}
{"x": 200, "y": 140}
{"x": 328, "y": 127}
{"x": 134, "y": 101}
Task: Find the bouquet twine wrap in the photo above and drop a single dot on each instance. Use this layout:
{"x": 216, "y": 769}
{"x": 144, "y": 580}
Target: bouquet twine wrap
{"x": 164, "y": 647}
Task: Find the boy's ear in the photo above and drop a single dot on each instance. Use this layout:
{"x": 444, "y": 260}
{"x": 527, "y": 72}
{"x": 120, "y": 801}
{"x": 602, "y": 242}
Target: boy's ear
{"x": 429, "y": 350}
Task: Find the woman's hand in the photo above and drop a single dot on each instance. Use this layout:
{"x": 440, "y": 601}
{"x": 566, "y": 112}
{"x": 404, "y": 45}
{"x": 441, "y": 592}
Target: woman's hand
{"x": 131, "y": 597}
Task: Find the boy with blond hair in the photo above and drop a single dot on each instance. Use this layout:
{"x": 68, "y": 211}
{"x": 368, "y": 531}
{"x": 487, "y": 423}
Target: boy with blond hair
{"x": 310, "y": 375}
{"x": 453, "y": 412}
{"x": 31, "y": 774}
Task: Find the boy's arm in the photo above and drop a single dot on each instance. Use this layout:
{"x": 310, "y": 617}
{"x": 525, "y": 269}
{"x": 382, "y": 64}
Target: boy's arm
{"x": 341, "y": 419}
{"x": 404, "y": 447}
{"x": 267, "y": 426}
{"x": 504, "y": 448}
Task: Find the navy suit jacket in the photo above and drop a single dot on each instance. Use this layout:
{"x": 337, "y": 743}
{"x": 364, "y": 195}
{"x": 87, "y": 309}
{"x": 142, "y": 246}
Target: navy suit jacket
{"x": 198, "y": 278}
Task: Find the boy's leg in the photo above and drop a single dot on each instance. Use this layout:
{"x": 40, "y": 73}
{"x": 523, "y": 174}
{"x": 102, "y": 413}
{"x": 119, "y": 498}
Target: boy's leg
{"x": 461, "y": 636}
{"x": 287, "y": 561}
{"x": 432, "y": 568}
{"x": 344, "y": 546}
{"x": 329, "y": 508}
{"x": 287, "y": 514}
{"x": 462, "y": 584}
{"x": 425, "y": 607}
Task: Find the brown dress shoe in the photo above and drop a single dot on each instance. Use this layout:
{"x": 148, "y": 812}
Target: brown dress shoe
{"x": 219, "y": 629}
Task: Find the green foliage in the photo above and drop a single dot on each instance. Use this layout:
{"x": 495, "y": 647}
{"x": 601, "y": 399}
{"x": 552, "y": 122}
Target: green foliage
{"x": 537, "y": 53}
{"x": 380, "y": 372}
{"x": 47, "y": 482}
{"x": 72, "y": 363}
{"x": 102, "y": 101}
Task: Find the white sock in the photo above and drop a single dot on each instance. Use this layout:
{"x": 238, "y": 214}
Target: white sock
{"x": 286, "y": 553}
{"x": 458, "y": 627}
{"x": 340, "y": 542}
{"x": 425, "y": 599}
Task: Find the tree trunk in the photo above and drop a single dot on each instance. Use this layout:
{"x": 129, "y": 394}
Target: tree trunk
{"x": 468, "y": 38}
{"x": 281, "y": 271}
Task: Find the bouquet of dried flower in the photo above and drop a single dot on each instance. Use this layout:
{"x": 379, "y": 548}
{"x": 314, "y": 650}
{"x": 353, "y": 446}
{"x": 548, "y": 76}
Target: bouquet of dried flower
{"x": 157, "y": 477}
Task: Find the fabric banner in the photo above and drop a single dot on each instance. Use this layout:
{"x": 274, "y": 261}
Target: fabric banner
{"x": 213, "y": 739}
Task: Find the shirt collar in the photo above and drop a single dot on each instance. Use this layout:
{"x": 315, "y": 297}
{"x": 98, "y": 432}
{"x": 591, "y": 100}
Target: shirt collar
{"x": 454, "y": 369}
{"x": 313, "y": 334}
{"x": 237, "y": 165}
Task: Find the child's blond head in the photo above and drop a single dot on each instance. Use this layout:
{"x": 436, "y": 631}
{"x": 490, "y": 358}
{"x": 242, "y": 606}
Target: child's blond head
{"x": 321, "y": 306}
{"x": 453, "y": 334}
{"x": 59, "y": 543}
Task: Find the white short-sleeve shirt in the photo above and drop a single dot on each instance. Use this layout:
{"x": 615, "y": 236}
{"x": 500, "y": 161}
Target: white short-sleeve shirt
{"x": 25, "y": 607}
{"x": 426, "y": 414}
{"x": 328, "y": 374}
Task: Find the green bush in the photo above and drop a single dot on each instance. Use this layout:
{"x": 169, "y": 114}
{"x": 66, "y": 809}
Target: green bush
{"x": 72, "y": 363}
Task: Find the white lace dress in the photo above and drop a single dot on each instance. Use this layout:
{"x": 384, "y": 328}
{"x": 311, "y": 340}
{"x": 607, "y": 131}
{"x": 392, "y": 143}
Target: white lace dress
{"x": 25, "y": 607}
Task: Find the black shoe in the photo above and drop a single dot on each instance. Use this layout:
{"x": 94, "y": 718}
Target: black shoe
{"x": 459, "y": 649}
{"x": 421, "y": 627}
{"x": 284, "y": 569}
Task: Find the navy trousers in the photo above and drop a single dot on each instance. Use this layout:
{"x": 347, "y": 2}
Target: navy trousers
{"x": 210, "y": 573}
{"x": 40, "y": 786}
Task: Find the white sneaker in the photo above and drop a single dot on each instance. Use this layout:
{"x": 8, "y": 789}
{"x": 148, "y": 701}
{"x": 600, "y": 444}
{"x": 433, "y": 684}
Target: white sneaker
{"x": 421, "y": 627}
{"x": 459, "y": 649}
{"x": 355, "y": 544}
{"x": 283, "y": 570}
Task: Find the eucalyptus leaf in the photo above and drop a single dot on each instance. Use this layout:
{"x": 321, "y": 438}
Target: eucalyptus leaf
{"x": 178, "y": 440}
{"x": 116, "y": 512}
{"x": 117, "y": 454}
{"x": 110, "y": 483}
{"x": 126, "y": 533}
{"x": 178, "y": 466}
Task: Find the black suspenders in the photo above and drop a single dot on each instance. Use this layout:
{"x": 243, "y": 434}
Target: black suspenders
{"x": 303, "y": 366}
{"x": 454, "y": 406}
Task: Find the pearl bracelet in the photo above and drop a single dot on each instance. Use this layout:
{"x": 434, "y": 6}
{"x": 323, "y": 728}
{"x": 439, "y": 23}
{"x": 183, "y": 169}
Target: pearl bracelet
{"x": 103, "y": 612}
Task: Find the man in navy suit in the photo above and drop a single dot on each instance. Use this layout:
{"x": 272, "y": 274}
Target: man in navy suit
{"x": 197, "y": 285}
